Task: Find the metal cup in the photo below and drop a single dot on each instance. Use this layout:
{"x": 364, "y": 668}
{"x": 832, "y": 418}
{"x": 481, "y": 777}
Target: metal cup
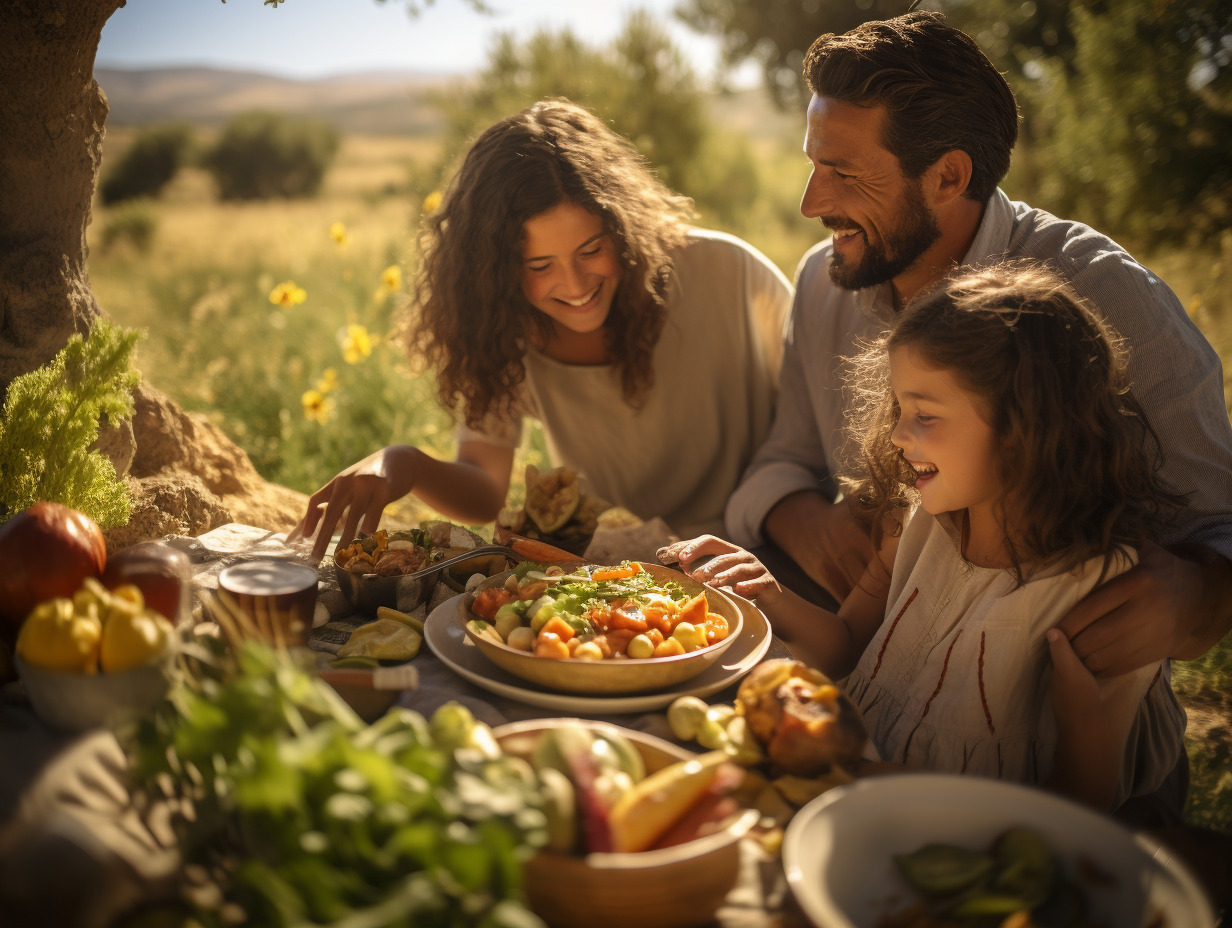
{"x": 270, "y": 599}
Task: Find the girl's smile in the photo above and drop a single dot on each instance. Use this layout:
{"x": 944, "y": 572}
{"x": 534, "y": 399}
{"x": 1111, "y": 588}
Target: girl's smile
{"x": 944, "y": 435}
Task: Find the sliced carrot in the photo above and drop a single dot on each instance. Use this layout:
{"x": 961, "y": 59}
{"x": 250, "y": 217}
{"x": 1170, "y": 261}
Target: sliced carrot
{"x": 550, "y": 645}
{"x": 692, "y": 610}
{"x": 558, "y": 627}
{"x": 716, "y": 627}
{"x": 615, "y": 573}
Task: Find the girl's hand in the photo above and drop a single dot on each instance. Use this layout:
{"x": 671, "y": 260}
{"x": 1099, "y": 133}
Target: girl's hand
{"x": 358, "y": 496}
{"x": 722, "y": 565}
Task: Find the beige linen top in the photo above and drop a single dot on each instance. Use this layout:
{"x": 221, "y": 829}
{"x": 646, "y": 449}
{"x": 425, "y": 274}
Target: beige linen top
{"x": 716, "y": 364}
{"x": 958, "y": 678}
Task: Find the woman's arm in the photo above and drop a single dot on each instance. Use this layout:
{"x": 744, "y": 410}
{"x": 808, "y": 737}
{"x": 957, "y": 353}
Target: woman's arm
{"x": 470, "y": 489}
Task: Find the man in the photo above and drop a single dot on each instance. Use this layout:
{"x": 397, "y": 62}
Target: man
{"x": 910, "y": 129}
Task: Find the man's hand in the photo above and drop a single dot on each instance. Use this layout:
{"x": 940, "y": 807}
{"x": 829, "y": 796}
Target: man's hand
{"x": 1166, "y": 606}
{"x": 825, "y": 539}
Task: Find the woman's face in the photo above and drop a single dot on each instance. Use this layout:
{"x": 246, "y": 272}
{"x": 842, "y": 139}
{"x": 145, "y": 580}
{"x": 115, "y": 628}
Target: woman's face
{"x": 570, "y": 269}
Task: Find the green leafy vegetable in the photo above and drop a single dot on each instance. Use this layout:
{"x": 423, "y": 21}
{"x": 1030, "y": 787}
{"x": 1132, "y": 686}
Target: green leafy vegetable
{"x": 302, "y": 815}
{"x": 50, "y": 423}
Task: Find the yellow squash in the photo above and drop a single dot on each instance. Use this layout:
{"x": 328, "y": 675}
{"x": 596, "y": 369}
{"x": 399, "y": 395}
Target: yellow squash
{"x": 644, "y": 813}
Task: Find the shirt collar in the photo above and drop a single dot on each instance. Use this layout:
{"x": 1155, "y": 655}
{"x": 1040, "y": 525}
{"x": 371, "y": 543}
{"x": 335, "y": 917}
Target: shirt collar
{"x": 992, "y": 238}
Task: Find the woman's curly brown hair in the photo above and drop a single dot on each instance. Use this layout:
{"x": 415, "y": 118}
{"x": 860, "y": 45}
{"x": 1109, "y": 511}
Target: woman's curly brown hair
{"x": 472, "y": 323}
{"x": 1076, "y": 456}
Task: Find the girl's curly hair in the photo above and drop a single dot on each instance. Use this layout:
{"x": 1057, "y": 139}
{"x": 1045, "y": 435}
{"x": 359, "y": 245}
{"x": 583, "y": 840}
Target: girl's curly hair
{"x": 471, "y": 321}
{"x": 1075, "y": 454}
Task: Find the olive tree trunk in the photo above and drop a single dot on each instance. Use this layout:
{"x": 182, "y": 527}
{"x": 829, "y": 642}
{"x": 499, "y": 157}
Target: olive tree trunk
{"x": 51, "y": 132}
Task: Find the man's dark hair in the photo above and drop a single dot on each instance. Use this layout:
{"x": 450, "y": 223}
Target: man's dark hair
{"x": 940, "y": 91}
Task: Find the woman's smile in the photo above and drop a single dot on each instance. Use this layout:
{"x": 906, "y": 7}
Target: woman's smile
{"x": 569, "y": 270}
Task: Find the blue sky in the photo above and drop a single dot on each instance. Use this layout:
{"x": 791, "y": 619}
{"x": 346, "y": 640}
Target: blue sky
{"x": 314, "y": 38}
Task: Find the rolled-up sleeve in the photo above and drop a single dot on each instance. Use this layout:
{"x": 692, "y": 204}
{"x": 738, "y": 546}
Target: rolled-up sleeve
{"x": 793, "y": 456}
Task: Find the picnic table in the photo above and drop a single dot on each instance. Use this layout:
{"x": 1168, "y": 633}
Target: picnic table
{"x": 75, "y": 851}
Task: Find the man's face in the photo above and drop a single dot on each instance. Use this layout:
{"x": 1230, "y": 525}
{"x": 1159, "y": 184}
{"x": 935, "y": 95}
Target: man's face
{"x": 879, "y": 218}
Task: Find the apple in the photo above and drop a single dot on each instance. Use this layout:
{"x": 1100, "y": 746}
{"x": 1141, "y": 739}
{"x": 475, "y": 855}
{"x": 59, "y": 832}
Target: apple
{"x": 46, "y": 551}
{"x": 161, "y": 572}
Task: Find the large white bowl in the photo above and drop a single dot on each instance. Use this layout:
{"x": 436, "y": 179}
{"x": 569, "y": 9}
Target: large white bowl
{"x": 838, "y": 850}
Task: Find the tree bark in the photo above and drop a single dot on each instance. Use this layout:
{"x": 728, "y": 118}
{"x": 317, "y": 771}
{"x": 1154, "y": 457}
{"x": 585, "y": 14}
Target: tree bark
{"x": 51, "y": 131}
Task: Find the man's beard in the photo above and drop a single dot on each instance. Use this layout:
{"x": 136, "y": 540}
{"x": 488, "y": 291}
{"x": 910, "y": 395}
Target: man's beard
{"x": 884, "y": 261}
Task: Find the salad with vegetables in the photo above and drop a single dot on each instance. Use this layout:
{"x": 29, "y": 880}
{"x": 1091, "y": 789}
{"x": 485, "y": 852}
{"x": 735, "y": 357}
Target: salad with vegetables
{"x": 595, "y": 613}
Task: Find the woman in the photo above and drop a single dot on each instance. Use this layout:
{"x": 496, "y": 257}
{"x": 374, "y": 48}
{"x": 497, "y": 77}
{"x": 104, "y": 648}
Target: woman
{"x": 561, "y": 280}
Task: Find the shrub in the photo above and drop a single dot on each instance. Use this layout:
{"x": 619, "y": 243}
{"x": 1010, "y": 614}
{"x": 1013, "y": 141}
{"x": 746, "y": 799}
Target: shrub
{"x": 266, "y": 155}
{"x": 134, "y": 223}
{"x": 149, "y": 163}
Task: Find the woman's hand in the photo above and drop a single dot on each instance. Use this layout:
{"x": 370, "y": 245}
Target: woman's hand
{"x": 726, "y": 566}
{"x": 358, "y": 496}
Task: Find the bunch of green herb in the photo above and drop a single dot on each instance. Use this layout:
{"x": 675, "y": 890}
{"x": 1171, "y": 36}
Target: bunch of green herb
{"x": 296, "y": 813}
{"x": 50, "y": 423}
{"x": 587, "y": 591}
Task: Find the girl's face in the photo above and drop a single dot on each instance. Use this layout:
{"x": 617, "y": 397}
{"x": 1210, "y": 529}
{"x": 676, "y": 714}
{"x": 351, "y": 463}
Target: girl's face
{"x": 944, "y": 435}
{"x": 570, "y": 269}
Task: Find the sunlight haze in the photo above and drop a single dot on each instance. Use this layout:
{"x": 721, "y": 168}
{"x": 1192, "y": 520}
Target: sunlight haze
{"x": 318, "y": 38}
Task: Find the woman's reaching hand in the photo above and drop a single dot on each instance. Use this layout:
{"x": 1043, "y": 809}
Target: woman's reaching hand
{"x": 357, "y": 497}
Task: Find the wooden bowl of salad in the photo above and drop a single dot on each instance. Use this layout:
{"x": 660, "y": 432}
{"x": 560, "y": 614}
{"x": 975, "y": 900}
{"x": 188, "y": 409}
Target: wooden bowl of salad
{"x": 598, "y": 629}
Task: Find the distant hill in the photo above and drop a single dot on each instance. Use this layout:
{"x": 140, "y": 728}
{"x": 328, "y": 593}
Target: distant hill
{"x": 374, "y": 103}
{"x": 378, "y": 103}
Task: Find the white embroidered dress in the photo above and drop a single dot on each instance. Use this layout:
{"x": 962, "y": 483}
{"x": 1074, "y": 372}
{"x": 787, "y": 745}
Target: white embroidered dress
{"x": 958, "y": 676}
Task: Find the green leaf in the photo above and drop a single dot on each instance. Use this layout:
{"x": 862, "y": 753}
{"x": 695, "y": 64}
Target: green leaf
{"x": 50, "y": 422}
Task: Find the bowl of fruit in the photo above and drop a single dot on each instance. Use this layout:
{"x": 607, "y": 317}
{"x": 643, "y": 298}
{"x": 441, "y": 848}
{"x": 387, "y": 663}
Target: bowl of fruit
{"x": 640, "y": 831}
{"x": 96, "y": 658}
{"x": 596, "y": 629}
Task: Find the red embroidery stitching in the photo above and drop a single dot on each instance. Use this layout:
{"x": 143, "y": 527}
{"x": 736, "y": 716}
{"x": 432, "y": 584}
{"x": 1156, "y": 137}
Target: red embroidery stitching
{"x": 886, "y": 641}
{"x": 944, "y": 667}
{"x": 983, "y": 696}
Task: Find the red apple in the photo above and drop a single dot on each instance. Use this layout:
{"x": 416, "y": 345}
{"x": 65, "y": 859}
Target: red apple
{"x": 161, "y": 572}
{"x": 46, "y": 551}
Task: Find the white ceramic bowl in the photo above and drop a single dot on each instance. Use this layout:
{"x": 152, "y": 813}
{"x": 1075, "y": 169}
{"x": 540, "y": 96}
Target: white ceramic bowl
{"x": 78, "y": 702}
{"x": 838, "y": 849}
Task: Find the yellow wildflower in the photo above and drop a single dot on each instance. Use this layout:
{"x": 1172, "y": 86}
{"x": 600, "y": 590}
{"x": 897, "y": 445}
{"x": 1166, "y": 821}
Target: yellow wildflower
{"x": 329, "y": 380}
{"x": 287, "y": 294}
{"x": 356, "y": 344}
{"x": 317, "y": 407}
{"x": 391, "y": 278}
{"x": 338, "y": 232}
{"x": 432, "y": 202}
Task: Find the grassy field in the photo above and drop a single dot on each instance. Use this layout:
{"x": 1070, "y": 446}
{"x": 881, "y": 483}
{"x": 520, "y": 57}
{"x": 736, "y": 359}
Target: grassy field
{"x": 309, "y": 387}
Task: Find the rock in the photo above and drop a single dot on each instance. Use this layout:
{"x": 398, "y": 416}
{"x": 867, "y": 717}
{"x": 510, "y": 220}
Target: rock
{"x": 168, "y": 503}
{"x": 187, "y": 477}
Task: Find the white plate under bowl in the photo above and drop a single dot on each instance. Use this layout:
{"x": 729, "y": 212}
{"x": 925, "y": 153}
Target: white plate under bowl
{"x": 444, "y": 634}
{"x": 838, "y": 850}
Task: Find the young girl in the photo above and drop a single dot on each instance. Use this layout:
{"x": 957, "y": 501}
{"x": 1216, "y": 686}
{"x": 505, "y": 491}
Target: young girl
{"x": 1007, "y": 471}
{"x": 561, "y": 280}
